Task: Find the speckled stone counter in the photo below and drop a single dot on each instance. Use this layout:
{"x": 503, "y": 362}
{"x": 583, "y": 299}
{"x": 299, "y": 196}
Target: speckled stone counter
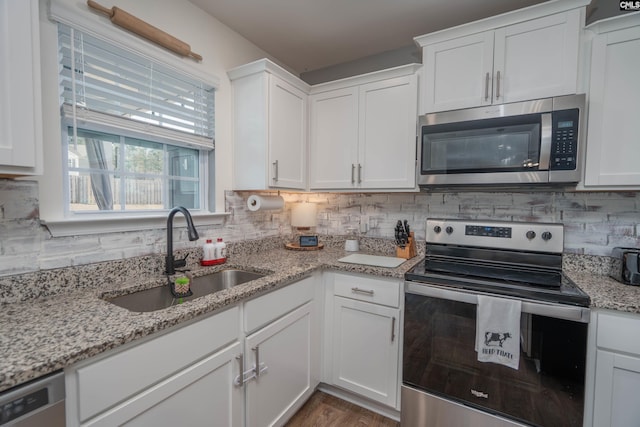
{"x": 608, "y": 293}
{"x": 591, "y": 274}
{"x": 50, "y": 320}
{"x": 44, "y": 334}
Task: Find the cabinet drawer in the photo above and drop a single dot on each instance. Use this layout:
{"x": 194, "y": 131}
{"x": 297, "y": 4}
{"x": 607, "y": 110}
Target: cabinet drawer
{"x": 265, "y": 309}
{"x": 619, "y": 331}
{"x": 117, "y": 377}
{"x": 370, "y": 289}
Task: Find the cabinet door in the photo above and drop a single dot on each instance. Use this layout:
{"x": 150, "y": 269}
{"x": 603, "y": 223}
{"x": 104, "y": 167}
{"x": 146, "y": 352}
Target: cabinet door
{"x": 537, "y": 58}
{"x": 284, "y": 350}
{"x": 203, "y": 394}
{"x": 458, "y": 73}
{"x": 613, "y": 149}
{"x": 617, "y": 390}
{"x": 365, "y": 349}
{"x": 387, "y": 148}
{"x": 287, "y": 135}
{"x": 333, "y": 139}
{"x": 20, "y": 106}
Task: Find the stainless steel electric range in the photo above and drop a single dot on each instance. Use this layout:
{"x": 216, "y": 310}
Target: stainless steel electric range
{"x": 443, "y": 382}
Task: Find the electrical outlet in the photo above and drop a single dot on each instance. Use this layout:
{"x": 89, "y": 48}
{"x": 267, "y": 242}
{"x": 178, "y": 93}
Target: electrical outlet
{"x": 364, "y": 224}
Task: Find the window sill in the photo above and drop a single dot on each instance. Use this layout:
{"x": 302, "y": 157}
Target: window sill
{"x": 81, "y": 226}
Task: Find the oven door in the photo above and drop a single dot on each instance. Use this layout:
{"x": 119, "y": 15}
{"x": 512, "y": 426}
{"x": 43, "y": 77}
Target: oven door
{"x": 440, "y": 365}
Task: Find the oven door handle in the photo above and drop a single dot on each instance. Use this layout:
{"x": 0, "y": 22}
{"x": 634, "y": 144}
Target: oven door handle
{"x": 556, "y": 311}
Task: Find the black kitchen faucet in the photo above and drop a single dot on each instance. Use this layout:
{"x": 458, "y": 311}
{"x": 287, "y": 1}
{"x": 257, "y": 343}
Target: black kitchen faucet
{"x": 170, "y": 262}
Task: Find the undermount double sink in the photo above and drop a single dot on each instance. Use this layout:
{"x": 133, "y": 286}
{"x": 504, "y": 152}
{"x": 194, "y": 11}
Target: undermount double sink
{"x": 160, "y": 297}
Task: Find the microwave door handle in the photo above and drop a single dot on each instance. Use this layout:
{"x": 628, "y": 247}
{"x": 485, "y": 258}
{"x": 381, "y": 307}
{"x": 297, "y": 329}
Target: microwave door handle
{"x": 545, "y": 141}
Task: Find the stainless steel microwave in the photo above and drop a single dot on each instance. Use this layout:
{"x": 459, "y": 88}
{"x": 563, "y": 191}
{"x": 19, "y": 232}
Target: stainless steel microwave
{"x": 532, "y": 142}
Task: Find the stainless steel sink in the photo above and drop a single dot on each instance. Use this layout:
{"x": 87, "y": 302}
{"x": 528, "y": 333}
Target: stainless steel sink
{"x": 158, "y": 298}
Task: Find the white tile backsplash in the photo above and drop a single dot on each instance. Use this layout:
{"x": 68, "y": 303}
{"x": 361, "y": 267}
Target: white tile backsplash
{"x": 595, "y": 222}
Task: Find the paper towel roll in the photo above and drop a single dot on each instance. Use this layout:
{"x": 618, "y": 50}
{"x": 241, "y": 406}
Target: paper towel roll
{"x": 255, "y": 203}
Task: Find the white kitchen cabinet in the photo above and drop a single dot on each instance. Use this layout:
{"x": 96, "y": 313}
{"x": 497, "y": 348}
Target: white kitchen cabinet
{"x": 617, "y": 372}
{"x": 489, "y": 62}
{"x": 20, "y": 104}
{"x": 201, "y": 395}
{"x": 269, "y": 127}
{"x": 285, "y": 345}
{"x": 613, "y": 146}
{"x": 364, "y": 336}
{"x": 362, "y": 131}
{"x": 188, "y": 371}
{"x": 334, "y": 138}
{"x": 283, "y": 351}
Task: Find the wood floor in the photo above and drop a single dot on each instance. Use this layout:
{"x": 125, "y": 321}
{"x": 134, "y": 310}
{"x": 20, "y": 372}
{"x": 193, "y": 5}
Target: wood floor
{"x": 324, "y": 410}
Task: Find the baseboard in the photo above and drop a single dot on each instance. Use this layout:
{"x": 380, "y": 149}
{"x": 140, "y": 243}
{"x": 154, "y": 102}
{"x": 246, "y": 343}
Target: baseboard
{"x": 360, "y": 401}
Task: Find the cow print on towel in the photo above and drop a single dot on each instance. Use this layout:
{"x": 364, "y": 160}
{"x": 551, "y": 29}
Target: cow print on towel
{"x": 495, "y": 338}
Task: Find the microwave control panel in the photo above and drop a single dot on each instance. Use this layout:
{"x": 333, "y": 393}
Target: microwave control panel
{"x": 564, "y": 140}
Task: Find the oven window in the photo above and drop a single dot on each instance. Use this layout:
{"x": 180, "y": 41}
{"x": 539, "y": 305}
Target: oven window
{"x": 439, "y": 357}
{"x": 482, "y": 146}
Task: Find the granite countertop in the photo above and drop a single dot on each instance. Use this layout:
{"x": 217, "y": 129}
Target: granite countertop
{"x": 606, "y": 292}
{"x": 47, "y": 334}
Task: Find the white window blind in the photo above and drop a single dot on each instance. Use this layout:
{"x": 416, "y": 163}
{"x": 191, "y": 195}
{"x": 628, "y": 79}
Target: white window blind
{"x": 103, "y": 83}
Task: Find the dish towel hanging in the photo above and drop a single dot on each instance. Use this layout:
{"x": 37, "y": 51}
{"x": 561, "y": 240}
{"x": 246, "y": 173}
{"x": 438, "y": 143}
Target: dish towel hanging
{"x": 498, "y": 331}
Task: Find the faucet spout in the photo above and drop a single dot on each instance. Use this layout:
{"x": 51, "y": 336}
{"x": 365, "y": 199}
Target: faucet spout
{"x": 170, "y": 262}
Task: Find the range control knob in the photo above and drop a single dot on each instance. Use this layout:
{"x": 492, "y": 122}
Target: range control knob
{"x": 531, "y": 234}
{"x": 546, "y": 235}
{"x": 449, "y": 229}
{"x": 437, "y": 229}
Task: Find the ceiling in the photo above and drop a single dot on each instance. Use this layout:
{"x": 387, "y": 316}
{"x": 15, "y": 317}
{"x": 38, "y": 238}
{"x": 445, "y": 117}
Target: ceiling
{"x": 307, "y": 35}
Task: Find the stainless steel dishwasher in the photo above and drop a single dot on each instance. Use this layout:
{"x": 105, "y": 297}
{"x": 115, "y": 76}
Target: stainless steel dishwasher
{"x": 34, "y": 404}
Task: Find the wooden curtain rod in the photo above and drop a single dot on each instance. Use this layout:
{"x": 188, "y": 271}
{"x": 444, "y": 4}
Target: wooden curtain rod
{"x": 138, "y": 26}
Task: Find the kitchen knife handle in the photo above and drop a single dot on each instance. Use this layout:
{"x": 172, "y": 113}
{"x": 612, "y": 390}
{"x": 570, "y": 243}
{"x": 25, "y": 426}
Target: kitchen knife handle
{"x": 498, "y": 86}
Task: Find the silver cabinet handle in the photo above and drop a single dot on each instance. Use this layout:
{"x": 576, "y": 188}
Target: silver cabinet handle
{"x": 256, "y": 349}
{"x": 393, "y": 328}
{"x": 498, "y": 85}
{"x": 486, "y": 87}
{"x": 362, "y": 291}
{"x": 359, "y": 173}
{"x": 242, "y": 376}
{"x": 275, "y": 172}
{"x": 353, "y": 173}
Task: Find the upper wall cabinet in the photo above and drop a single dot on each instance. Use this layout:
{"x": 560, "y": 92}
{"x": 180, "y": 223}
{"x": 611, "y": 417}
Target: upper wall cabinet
{"x": 269, "y": 127}
{"x": 20, "y": 105}
{"x": 527, "y": 54}
{"x": 363, "y": 130}
{"x": 613, "y": 144}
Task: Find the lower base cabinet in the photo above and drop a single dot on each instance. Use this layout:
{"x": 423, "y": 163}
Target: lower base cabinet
{"x": 186, "y": 373}
{"x": 201, "y": 395}
{"x": 284, "y": 352}
{"x": 365, "y": 349}
{"x": 617, "y": 373}
{"x": 191, "y": 375}
{"x": 362, "y": 336}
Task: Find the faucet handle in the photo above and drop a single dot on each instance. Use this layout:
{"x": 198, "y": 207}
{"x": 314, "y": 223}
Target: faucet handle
{"x": 180, "y": 262}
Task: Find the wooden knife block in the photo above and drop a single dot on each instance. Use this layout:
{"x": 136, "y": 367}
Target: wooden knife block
{"x": 409, "y": 251}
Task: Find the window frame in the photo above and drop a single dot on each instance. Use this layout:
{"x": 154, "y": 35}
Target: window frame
{"x": 51, "y": 190}
{"x": 205, "y": 203}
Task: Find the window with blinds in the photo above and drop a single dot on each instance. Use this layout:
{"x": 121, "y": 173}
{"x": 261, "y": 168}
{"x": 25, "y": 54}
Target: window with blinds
{"x": 138, "y": 135}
